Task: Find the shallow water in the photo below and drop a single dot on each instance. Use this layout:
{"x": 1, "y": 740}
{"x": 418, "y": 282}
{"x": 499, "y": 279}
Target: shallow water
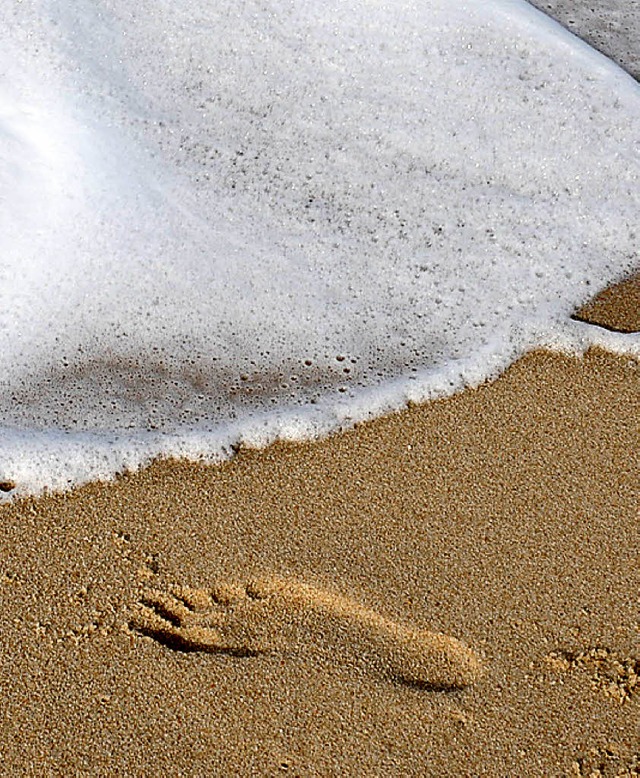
{"x": 222, "y": 224}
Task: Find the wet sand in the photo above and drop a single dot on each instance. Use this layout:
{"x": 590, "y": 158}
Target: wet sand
{"x": 450, "y": 590}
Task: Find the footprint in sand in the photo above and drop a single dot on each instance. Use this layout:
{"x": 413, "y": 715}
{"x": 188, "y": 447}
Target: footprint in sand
{"x": 275, "y": 614}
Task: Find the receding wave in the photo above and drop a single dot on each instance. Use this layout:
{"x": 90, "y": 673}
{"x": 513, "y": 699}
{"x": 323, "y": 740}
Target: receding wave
{"x": 227, "y": 222}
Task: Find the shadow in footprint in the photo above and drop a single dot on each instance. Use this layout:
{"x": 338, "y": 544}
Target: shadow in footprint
{"x": 272, "y": 614}
{"x": 178, "y": 627}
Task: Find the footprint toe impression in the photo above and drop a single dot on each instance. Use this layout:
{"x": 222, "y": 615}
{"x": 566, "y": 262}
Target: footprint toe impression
{"x": 185, "y": 621}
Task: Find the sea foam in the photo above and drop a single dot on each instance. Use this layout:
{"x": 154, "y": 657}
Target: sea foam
{"x": 227, "y": 222}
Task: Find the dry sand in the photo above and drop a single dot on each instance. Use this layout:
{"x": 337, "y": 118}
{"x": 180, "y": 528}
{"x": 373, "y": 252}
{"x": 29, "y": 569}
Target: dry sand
{"x": 452, "y": 590}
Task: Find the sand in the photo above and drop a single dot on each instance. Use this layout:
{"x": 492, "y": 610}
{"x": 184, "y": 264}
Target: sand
{"x": 450, "y": 590}
{"x": 616, "y": 308}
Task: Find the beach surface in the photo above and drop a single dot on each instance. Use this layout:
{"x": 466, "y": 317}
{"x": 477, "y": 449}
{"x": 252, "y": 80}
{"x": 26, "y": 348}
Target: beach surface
{"x": 449, "y": 590}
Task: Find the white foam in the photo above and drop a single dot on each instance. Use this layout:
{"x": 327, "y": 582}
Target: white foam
{"x": 225, "y": 222}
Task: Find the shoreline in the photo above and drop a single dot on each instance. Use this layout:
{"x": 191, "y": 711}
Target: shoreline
{"x": 504, "y": 517}
{"x": 615, "y": 312}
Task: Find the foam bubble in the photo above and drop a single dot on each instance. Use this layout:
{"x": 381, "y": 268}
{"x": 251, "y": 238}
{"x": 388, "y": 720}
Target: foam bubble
{"x": 225, "y": 222}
